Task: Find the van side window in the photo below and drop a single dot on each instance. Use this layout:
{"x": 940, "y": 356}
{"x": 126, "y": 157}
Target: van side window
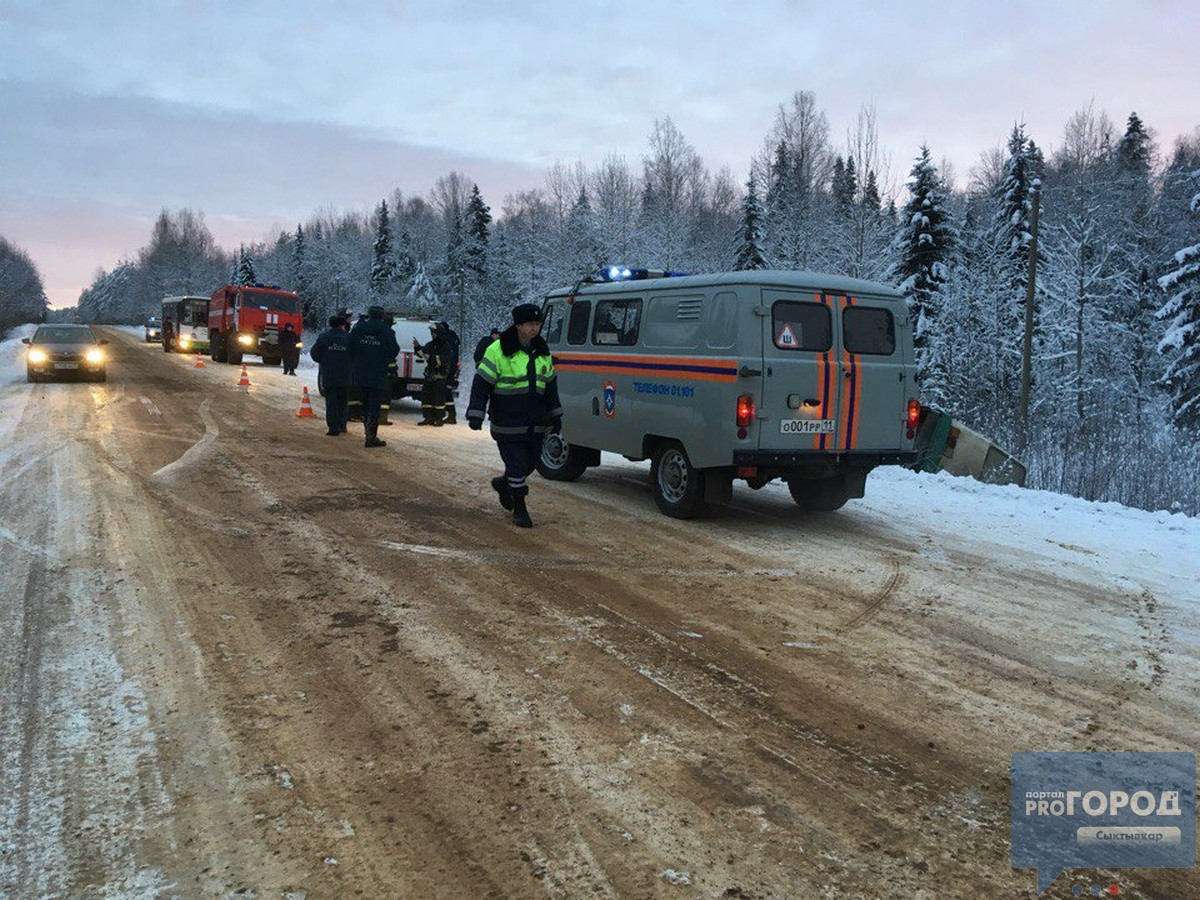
{"x": 577, "y": 327}
{"x": 801, "y": 326}
{"x": 722, "y": 321}
{"x": 673, "y": 321}
{"x": 869, "y": 330}
{"x": 617, "y": 322}
{"x": 553, "y": 319}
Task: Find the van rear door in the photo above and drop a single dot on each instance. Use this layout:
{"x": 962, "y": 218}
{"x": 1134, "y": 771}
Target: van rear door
{"x": 875, "y": 374}
{"x": 801, "y": 387}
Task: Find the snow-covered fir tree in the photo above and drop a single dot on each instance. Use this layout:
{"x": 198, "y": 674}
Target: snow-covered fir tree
{"x": 422, "y": 297}
{"x": 1182, "y": 340}
{"x": 383, "y": 264}
{"x": 749, "y": 248}
{"x": 923, "y": 250}
{"x": 243, "y": 268}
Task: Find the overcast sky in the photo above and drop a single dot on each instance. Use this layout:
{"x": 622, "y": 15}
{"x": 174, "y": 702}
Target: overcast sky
{"x": 260, "y": 113}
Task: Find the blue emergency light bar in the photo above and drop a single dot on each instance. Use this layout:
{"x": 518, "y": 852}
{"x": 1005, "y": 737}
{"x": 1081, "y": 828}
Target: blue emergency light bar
{"x": 624, "y": 273}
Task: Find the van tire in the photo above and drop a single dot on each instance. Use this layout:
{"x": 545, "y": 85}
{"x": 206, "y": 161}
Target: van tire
{"x": 678, "y": 486}
{"x": 233, "y": 357}
{"x": 560, "y": 461}
{"x": 819, "y": 494}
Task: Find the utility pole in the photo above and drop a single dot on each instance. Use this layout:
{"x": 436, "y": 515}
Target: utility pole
{"x": 1027, "y": 349}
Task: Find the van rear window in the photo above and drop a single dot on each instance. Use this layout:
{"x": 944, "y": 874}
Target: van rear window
{"x": 801, "y": 326}
{"x": 617, "y": 322}
{"x": 870, "y": 331}
{"x": 577, "y": 327}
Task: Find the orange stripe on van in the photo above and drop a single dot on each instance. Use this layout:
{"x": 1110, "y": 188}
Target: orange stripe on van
{"x": 860, "y": 385}
{"x": 823, "y": 385}
{"x": 846, "y": 377}
{"x": 689, "y": 368}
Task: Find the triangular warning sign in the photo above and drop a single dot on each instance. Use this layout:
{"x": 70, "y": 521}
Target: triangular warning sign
{"x": 786, "y": 337}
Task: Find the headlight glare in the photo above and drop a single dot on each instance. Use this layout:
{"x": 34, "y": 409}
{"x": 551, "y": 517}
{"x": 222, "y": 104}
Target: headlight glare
{"x": 245, "y": 339}
{"x": 95, "y": 356}
{"x": 38, "y": 356}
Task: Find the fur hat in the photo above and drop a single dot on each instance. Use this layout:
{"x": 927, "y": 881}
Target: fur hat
{"x": 526, "y": 312}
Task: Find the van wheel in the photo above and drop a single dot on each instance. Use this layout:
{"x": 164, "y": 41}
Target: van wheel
{"x": 559, "y": 461}
{"x": 819, "y": 494}
{"x": 678, "y": 485}
{"x": 233, "y": 357}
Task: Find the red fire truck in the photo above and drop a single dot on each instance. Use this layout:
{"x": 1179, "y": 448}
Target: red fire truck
{"x": 245, "y": 320}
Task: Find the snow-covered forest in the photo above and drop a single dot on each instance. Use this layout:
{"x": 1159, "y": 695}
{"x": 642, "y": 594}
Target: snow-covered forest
{"x": 22, "y": 294}
{"x": 1114, "y": 405}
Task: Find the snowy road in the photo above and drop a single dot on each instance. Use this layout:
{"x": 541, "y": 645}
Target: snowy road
{"x": 237, "y": 655}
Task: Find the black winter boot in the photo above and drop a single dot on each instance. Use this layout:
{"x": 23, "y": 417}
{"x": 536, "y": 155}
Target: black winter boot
{"x": 521, "y": 514}
{"x": 372, "y": 440}
{"x": 500, "y": 486}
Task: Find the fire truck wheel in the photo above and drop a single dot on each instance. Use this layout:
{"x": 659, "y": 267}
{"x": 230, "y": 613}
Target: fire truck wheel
{"x": 678, "y": 485}
{"x": 819, "y": 494}
{"x": 234, "y": 357}
{"x": 559, "y": 460}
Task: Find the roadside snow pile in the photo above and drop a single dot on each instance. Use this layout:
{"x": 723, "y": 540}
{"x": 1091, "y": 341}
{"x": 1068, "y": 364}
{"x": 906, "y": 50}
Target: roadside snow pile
{"x": 12, "y": 354}
{"x": 1159, "y": 551}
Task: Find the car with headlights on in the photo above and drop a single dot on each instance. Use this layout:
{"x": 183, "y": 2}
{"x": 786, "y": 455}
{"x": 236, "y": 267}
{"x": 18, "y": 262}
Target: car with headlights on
{"x": 72, "y": 351}
{"x": 153, "y": 329}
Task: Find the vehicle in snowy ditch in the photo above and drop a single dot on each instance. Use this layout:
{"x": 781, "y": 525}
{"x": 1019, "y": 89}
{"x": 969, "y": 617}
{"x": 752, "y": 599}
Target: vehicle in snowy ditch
{"x": 189, "y": 324}
{"x": 70, "y": 351}
{"x": 245, "y": 320}
{"x": 754, "y": 375}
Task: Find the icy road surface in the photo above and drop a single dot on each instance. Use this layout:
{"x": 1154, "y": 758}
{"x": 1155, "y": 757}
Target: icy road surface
{"x": 241, "y": 658}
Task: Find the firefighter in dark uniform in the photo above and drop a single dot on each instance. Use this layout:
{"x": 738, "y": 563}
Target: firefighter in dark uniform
{"x": 372, "y": 346}
{"x": 332, "y": 353}
{"x": 355, "y": 404}
{"x": 289, "y": 346}
{"x": 484, "y": 343}
{"x": 433, "y": 391}
{"x": 516, "y": 377}
{"x": 393, "y": 373}
{"x": 450, "y": 336}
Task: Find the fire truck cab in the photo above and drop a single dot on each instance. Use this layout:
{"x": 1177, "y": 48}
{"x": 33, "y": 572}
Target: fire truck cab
{"x": 245, "y": 320}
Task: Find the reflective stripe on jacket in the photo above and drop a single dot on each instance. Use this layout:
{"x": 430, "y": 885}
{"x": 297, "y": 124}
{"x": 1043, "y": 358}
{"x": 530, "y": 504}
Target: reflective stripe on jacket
{"x": 519, "y": 385}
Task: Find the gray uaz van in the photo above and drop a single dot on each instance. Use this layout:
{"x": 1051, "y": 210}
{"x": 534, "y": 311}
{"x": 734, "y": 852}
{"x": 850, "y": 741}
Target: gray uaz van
{"x": 755, "y": 375}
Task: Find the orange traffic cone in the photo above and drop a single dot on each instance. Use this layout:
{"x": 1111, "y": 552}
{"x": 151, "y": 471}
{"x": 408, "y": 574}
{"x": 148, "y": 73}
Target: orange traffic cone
{"x": 305, "y": 411}
{"x": 245, "y": 379}
{"x": 199, "y": 363}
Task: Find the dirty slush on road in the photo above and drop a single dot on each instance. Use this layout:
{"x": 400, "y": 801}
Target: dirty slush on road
{"x": 239, "y": 656}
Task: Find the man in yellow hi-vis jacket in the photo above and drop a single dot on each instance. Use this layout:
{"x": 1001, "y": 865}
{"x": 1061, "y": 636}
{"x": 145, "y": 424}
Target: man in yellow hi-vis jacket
{"x": 516, "y": 377}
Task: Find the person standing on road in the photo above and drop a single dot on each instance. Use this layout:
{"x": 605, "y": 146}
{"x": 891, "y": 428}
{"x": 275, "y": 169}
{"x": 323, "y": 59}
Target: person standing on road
{"x": 168, "y": 334}
{"x": 289, "y": 345}
{"x": 433, "y": 390}
{"x": 331, "y": 353}
{"x": 372, "y": 346}
{"x": 450, "y": 336}
{"x": 516, "y": 376}
{"x": 485, "y": 342}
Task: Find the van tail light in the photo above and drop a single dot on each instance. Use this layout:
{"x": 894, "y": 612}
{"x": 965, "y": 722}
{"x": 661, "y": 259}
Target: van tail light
{"x": 914, "y": 414}
{"x": 745, "y": 410}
